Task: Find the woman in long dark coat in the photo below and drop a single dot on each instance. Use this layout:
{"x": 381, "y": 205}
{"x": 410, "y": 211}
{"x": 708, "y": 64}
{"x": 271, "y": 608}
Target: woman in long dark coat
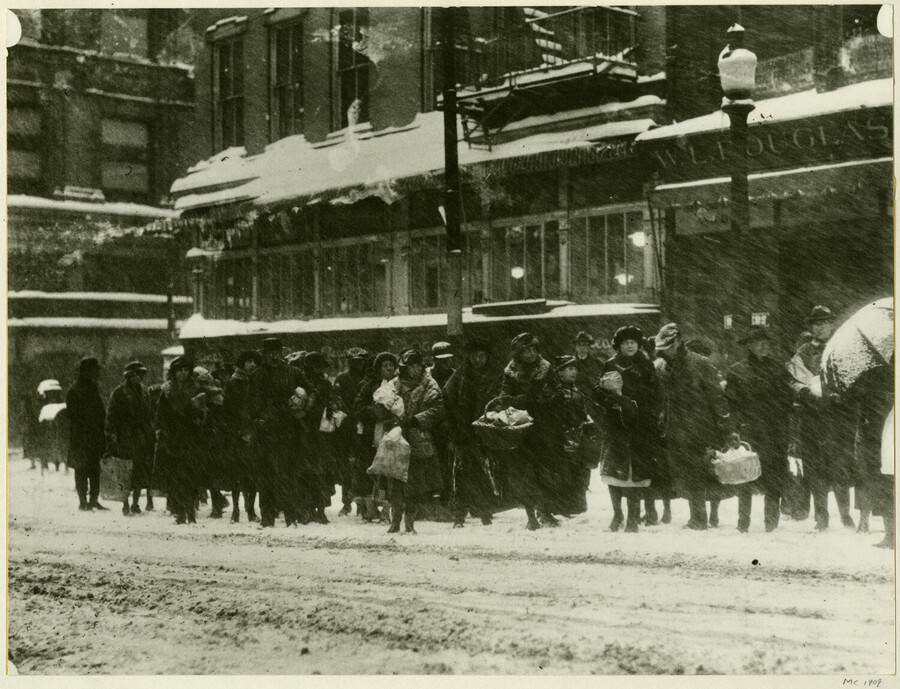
{"x": 319, "y": 473}
{"x": 529, "y": 383}
{"x": 130, "y": 433}
{"x": 469, "y": 389}
{"x": 573, "y": 472}
{"x": 87, "y": 440}
{"x": 640, "y": 384}
{"x": 353, "y": 478}
{"x": 180, "y": 448}
{"x": 242, "y": 447}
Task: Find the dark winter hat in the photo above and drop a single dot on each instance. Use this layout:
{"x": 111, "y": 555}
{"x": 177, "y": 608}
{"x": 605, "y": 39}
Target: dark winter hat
{"x": 583, "y": 338}
{"x": 820, "y": 314}
{"x": 88, "y": 365}
{"x": 478, "y": 344}
{"x": 441, "y": 350}
{"x": 272, "y": 344}
{"x": 755, "y": 334}
{"x": 357, "y": 353}
{"x": 380, "y": 359}
{"x": 181, "y": 362}
{"x": 522, "y": 342}
{"x": 562, "y": 362}
{"x": 410, "y": 357}
{"x": 315, "y": 360}
{"x": 244, "y": 357}
{"x": 135, "y": 367}
{"x": 665, "y": 338}
{"x": 628, "y": 332}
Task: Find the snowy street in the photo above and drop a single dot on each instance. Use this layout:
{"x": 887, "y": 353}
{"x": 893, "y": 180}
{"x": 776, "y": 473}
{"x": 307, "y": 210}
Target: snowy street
{"x": 102, "y": 593}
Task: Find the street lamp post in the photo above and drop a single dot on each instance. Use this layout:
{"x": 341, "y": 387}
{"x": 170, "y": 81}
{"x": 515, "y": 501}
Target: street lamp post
{"x": 737, "y": 73}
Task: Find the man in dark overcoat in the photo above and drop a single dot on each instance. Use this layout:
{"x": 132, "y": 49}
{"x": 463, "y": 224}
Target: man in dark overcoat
{"x": 466, "y": 394}
{"x": 349, "y": 435}
{"x": 241, "y": 436}
{"x": 697, "y": 421}
{"x": 278, "y": 432}
{"x": 760, "y": 399}
{"x": 87, "y": 441}
{"x": 130, "y": 432}
{"x": 825, "y": 428}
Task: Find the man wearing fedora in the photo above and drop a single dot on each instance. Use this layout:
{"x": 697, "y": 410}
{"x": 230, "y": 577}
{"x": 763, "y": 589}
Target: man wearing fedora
{"x": 760, "y": 397}
{"x": 697, "y": 420}
{"x": 441, "y": 369}
{"x": 87, "y": 442}
{"x": 824, "y": 427}
{"x": 590, "y": 367}
{"x": 278, "y": 433}
{"x": 130, "y": 433}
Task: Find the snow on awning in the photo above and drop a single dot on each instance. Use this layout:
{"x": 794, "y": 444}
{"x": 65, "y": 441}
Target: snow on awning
{"x": 129, "y": 210}
{"x": 867, "y": 94}
{"x": 78, "y": 322}
{"x": 782, "y": 184}
{"x": 361, "y": 162}
{"x": 197, "y": 327}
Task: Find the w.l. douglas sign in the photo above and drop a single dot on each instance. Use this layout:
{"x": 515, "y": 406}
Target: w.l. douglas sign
{"x": 836, "y": 137}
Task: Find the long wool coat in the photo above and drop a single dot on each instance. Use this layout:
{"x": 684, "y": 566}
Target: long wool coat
{"x": 423, "y": 401}
{"x": 129, "y": 429}
{"x": 87, "y": 420}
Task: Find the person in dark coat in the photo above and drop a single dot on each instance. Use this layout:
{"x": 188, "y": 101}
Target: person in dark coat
{"x": 627, "y": 466}
{"x": 320, "y": 468}
{"x": 697, "y": 421}
{"x": 529, "y": 383}
{"x": 373, "y": 417}
{"x": 130, "y": 433}
{"x": 241, "y": 436}
{"x": 824, "y": 428}
{"x": 279, "y": 434}
{"x": 441, "y": 369}
{"x": 347, "y": 385}
{"x": 466, "y": 394}
{"x": 87, "y": 439}
{"x": 180, "y": 450}
{"x": 760, "y": 397}
{"x": 872, "y": 398}
{"x": 590, "y": 368}
{"x": 573, "y": 471}
{"x": 640, "y": 384}
{"x": 423, "y": 411}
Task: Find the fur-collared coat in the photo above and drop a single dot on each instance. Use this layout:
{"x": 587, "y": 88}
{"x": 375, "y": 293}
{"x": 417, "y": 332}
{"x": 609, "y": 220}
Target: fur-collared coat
{"x": 129, "y": 429}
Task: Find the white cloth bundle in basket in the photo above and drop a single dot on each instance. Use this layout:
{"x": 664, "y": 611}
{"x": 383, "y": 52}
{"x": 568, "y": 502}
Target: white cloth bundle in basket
{"x": 737, "y": 465}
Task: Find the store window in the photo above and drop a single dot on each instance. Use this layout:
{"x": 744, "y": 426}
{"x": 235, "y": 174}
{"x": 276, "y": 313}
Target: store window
{"x": 353, "y": 66}
{"x": 354, "y": 278}
{"x": 228, "y": 93}
{"x": 525, "y": 261}
{"x": 286, "y": 90}
{"x": 124, "y": 168}
{"x": 428, "y": 270}
{"x": 607, "y": 255}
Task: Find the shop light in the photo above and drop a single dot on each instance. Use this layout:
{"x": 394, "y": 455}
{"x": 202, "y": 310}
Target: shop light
{"x": 639, "y": 239}
{"x": 624, "y": 279}
{"x": 518, "y": 272}
{"x": 737, "y": 67}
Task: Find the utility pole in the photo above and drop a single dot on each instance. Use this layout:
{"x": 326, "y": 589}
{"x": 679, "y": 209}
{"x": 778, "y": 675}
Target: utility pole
{"x": 455, "y": 255}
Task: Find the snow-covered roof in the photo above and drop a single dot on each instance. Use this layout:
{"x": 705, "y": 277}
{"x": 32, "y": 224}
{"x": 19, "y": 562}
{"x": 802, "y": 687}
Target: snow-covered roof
{"x": 197, "y": 327}
{"x": 134, "y": 210}
{"x": 90, "y": 323}
{"x": 293, "y": 168}
{"x": 98, "y": 296}
{"x": 868, "y": 94}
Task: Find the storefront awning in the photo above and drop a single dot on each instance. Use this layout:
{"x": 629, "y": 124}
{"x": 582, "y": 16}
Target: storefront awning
{"x": 847, "y": 177}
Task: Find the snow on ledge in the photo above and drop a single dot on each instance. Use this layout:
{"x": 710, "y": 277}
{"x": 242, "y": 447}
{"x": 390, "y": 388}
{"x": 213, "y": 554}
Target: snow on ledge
{"x": 90, "y": 323}
{"x": 98, "y": 296}
{"x": 867, "y": 94}
{"x": 21, "y": 201}
{"x": 199, "y": 328}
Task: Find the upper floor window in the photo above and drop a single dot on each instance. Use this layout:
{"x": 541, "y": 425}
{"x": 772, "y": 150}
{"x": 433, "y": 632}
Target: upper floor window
{"x": 124, "y": 169}
{"x": 24, "y": 148}
{"x": 353, "y": 66}
{"x": 286, "y": 92}
{"x": 228, "y": 93}
{"x": 124, "y": 32}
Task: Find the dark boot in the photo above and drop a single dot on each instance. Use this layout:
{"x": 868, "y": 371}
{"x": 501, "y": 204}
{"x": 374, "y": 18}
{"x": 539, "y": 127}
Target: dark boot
{"x": 667, "y": 512}
{"x": 651, "y": 516}
{"x": 863, "y": 522}
{"x": 409, "y": 519}
{"x": 533, "y": 524}
{"x": 126, "y": 511}
{"x": 615, "y": 495}
{"x": 396, "y": 517}
{"x": 634, "y": 510}
{"x": 714, "y": 513}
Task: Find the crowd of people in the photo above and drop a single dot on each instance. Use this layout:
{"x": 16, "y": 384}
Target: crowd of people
{"x": 651, "y": 414}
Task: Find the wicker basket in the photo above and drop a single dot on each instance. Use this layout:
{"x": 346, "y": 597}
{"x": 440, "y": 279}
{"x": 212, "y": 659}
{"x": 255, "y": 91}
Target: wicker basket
{"x": 115, "y": 478}
{"x": 503, "y": 438}
{"x": 743, "y": 469}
